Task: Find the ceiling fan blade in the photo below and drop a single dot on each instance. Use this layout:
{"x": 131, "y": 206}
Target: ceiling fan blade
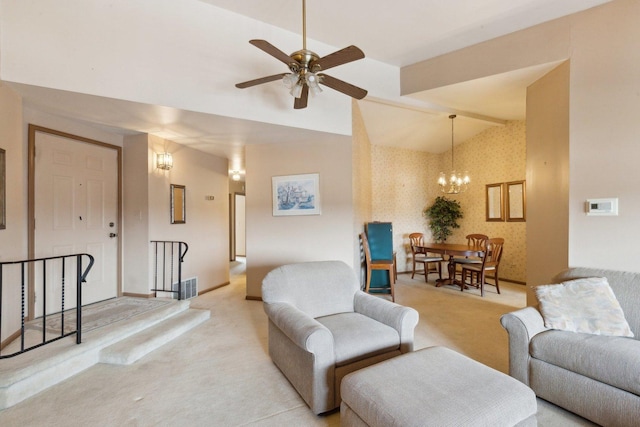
{"x": 343, "y": 56}
{"x": 301, "y": 102}
{"x": 342, "y": 86}
{"x": 261, "y": 80}
{"x": 273, "y": 51}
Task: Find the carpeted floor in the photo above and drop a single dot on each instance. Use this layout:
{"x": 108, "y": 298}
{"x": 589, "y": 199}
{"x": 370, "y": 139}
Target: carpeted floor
{"x": 220, "y": 374}
{"x": 98, "y": 315}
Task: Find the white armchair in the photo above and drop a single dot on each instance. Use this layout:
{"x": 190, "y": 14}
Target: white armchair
{"x": 322, "y": 327}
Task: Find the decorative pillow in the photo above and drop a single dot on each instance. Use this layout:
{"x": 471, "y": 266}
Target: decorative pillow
{"x": 583, "y": 305}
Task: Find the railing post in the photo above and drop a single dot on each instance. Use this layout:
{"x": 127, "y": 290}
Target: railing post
{"x": 78, "y": 299}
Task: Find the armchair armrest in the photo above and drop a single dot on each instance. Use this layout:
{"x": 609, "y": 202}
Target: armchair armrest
{"x": 402, "y": 319}
{"x": 522, "y": 326}
{"x": 303, "y": 330}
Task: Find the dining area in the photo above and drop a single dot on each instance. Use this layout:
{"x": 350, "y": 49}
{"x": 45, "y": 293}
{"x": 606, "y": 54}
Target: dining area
{"x": 467, "y": 264}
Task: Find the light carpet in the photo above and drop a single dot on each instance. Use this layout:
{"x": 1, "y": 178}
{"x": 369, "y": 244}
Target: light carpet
{"x": 98, "y": 315}
{"x": 220, "y": 374}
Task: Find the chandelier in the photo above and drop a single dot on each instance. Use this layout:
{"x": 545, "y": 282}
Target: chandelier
{"x": 456, "y": 183}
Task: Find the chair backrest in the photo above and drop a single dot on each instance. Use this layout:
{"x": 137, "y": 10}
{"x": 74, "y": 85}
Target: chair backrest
{"x": 493, "y": 251}
{"x": 318, "y": 288}
{"x": 476, "y": 239}
{"x": 416, "y": 239}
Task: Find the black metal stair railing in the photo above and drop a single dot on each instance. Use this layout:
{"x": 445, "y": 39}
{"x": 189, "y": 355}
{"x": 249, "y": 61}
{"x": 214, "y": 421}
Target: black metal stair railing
{"x": 167, "y": 265}
{"x": 60, "y": 273}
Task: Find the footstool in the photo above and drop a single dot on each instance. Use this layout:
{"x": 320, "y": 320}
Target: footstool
{"x": 434, "y": 386}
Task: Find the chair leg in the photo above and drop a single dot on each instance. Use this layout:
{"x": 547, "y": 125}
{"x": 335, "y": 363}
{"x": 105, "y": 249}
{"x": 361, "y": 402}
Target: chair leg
{"x": 395, "y": 267}
{"x": 496, "y": 279}
{"x": 414, "y": 267}
{"x": 392, "y": 283}
{"x": 482, "y": 278}
{"x": 426, "y": 272}
{"x": 366, "y": 288}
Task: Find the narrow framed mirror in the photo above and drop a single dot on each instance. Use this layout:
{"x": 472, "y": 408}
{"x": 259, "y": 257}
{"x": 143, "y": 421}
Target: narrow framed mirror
{"x": 495, "y": 208}
{"x": 516, "y": 201}
{"x": 178, "y": 204}
{"x": 3, "y": 186}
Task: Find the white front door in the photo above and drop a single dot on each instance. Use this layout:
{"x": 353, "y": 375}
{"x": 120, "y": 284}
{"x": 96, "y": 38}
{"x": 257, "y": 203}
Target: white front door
{"x": 76, "y": 211}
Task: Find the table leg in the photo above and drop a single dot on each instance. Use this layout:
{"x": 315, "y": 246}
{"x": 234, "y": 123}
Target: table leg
{"x": 451, "y": 267}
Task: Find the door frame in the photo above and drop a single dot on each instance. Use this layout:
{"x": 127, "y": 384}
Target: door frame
{"x": 33, "y": 129}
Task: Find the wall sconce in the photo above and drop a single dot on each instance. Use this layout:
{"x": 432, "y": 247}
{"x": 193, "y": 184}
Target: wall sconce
{"x": 164, "y": 161}
{"x": 235, "y": 175}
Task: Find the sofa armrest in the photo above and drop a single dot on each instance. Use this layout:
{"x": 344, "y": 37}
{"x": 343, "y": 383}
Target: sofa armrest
{"x": 303, "y": 330}
{"x": 402, "y": 319}
{"x": 522, "y": 326}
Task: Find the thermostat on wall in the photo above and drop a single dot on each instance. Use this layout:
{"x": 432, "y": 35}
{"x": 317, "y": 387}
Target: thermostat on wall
{"x": 602, "y": 206}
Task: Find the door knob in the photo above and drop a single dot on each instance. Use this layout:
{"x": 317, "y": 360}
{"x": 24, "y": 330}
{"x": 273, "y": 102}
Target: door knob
{"x": 112, "y": 235}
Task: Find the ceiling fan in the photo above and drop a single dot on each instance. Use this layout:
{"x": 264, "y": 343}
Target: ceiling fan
{"x": 306, "y": 67}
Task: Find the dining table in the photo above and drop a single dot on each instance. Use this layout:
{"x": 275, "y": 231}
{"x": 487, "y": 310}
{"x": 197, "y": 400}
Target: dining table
{"x": 452, "y": 250}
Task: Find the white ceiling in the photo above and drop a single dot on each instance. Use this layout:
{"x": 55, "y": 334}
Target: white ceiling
{"x": 402, "y": 34}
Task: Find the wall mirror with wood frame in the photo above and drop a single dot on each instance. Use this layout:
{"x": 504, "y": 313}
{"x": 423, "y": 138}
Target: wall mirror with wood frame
{"x": 178, "y": 204}
{"x": 516, "y": 201}
{"x": 495, "y": 205}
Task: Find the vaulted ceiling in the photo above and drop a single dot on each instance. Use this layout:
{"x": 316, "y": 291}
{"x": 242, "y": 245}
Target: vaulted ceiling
{"x": 397, "y": 34}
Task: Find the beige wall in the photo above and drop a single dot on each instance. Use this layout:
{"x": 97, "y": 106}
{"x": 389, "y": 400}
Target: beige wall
{"x": 135, "y": 235}
{"x": 206, "y": 230}
{"x": 273, "y": 241}
{"x": 547, "y": 176}
{"x": 362, "y": 191}
{"x": 13, "y": 239}
{"x": 404, "y": 185}
{"x": 605, "y": 135}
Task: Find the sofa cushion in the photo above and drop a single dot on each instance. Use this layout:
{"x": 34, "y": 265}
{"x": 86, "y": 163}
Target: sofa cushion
{"x": 358, "y": 337}
{"x": 611, "y": 360}
{"x": 583, "y": 305}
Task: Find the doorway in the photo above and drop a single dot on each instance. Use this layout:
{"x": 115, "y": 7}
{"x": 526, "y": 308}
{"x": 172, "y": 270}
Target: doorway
{"x": 74, "y": 207}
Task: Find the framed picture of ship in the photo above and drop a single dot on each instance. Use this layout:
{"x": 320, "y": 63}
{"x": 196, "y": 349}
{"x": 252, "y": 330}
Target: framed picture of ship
{"x": 296, "y": 194}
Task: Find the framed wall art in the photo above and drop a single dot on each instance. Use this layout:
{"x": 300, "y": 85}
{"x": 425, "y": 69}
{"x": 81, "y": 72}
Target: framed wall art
{"x": 296, "y": 194}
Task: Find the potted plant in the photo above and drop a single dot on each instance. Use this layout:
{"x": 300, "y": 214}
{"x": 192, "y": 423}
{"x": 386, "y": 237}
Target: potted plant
{"x": 443, "y": 216}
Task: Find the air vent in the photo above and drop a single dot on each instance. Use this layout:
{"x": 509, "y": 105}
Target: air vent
{"x": 189, "y": 289}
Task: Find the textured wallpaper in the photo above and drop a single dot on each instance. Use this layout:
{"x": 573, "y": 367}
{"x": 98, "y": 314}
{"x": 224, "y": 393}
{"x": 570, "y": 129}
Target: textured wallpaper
{"x": 403, "y": 184}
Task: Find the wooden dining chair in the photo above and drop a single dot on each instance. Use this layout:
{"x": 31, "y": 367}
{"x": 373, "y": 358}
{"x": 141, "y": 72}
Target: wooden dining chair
{"x": 490, "y": 262}
{"x": 472, "y": 240}
{"x": 431, "y": 263}
{"x": 377, "y": 264}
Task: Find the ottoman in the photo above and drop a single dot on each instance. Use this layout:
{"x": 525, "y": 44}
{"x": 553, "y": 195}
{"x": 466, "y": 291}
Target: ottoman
{"x": 434, "y": 386}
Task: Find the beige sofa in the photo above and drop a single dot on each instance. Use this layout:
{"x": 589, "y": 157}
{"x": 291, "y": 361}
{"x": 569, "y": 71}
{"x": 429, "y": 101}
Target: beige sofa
{"x": 595, "y": 376}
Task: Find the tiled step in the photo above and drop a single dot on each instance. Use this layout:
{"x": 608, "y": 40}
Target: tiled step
{"x": 128, "y": 351}
{"x": 27, "y": 374}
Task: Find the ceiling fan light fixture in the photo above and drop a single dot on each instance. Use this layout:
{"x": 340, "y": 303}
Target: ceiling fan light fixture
{"x": 313, "y": 81}
{"x": 296, "y": 90}
{"x": 290, "y": 80}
